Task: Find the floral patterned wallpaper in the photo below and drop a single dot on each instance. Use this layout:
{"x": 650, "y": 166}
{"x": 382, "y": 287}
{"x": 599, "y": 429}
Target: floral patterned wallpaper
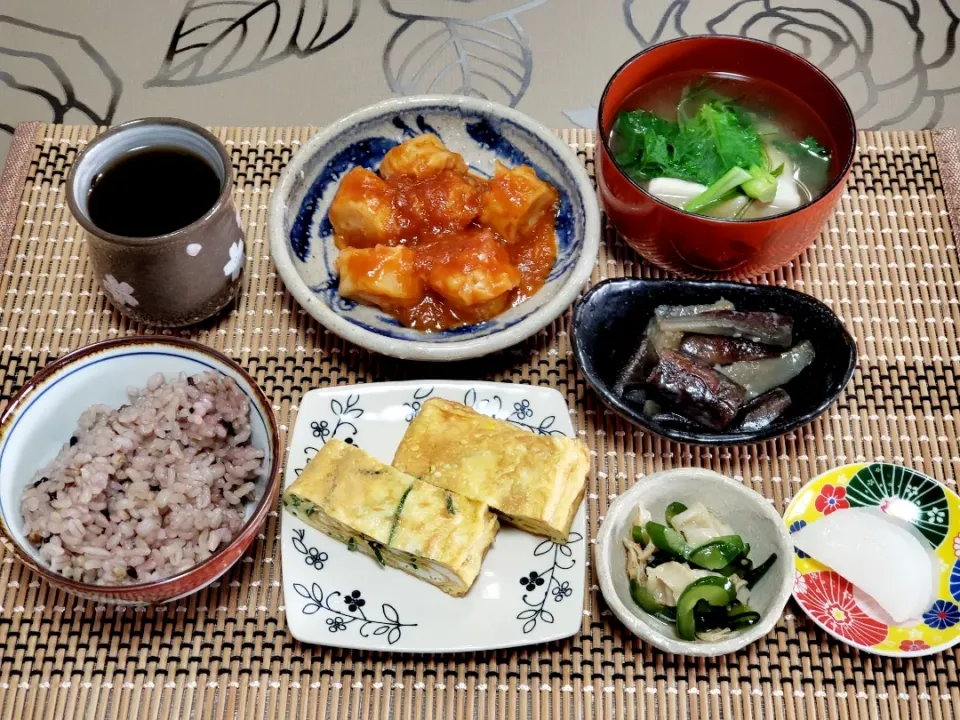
{"x": 296, "y": 61}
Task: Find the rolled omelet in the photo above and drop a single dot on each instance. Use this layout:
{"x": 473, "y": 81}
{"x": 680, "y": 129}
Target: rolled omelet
{"x": 430, "y": 533}
{"x": 533, "y": 482}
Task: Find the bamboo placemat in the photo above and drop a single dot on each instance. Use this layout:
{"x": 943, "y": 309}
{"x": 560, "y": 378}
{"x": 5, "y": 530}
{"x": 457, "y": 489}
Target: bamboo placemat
{"x": 886, "y": 263}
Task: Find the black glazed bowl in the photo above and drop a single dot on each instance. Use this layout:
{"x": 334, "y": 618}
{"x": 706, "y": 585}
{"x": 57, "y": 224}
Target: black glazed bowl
{"x": 609, "y": 320}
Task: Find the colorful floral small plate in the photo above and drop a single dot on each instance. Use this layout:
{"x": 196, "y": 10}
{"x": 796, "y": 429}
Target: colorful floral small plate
{"x": 530, "y": 589}
{"x": 841, "y": 609}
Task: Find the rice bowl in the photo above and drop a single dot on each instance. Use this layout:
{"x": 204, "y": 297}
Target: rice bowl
{"x": 141, "y": 498}
{"x": 149, "y": 489}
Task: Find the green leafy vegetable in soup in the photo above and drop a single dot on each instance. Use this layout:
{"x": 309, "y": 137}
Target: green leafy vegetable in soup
{"x": 718, "y": 157}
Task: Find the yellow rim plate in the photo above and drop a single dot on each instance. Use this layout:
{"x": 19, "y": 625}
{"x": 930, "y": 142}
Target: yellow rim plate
{"x": 841, "y": 610}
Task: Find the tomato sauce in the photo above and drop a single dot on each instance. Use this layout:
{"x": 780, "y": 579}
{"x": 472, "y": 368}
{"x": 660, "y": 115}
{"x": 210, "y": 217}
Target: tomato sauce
{"x": 456, "y": 256}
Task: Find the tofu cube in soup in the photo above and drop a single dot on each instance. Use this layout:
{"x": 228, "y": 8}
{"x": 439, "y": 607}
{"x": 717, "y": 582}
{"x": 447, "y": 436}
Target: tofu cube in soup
{"x": 362, "y": 213}
{"x": 381, "y": 275}
{"x": 421, "y": 157}
{"x": 516, "y": 201}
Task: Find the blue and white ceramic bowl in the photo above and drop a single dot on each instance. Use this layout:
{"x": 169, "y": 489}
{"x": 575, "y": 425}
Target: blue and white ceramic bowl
{"x": 301, "y": 238}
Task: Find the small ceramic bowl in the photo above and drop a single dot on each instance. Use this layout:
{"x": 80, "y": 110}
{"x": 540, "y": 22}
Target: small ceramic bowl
{"x": 695, "y": 245}
{"x": 42, "y": 416}
{"x": 608, "y": 323}
{"x": 301, "y": 237}
{"x": 748, "y": 513}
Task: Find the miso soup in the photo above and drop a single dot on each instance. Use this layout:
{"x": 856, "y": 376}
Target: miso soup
{"x": 722, "y": 145}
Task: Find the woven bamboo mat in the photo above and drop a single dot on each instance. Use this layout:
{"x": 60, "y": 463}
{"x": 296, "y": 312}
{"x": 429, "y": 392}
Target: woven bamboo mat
{"x": 886, "y": 263}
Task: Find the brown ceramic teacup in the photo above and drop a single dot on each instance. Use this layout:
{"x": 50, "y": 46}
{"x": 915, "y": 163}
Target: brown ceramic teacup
{"x": 184, "y": 275}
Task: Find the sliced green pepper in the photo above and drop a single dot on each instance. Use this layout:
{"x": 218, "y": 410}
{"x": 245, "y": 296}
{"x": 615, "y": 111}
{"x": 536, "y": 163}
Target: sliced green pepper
{"x": 744, "y": 620}
{"x": 754, "y": 575}
{"x": 736, "y": 609}
{"x": 648, "y": 603}
{"x": 674, "y": 509}
{"x": 718, "y": 553}
{"x": 640, "y": 535}
{"x": 713, "y": 589}
{"x": 668, "y": 539}
{"x": 740, "y": 616}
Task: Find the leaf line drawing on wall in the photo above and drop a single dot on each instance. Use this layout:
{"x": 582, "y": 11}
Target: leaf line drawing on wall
{"x": 462, "y": 48}
{"x": 217, "y": 40}
{"x": 47, "y": 73}
{"x": 889, "y": 57}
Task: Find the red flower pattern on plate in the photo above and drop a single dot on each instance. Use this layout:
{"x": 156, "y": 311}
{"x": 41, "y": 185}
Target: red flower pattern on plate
{"x": 829, "y": 600}
{"x": 913, "y": 645}
{"x": 831, "y": 498}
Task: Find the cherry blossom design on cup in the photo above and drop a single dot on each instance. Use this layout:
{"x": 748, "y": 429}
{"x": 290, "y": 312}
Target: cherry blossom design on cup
{"x": 120, "y": 293}
{"x": 235, "y": 263}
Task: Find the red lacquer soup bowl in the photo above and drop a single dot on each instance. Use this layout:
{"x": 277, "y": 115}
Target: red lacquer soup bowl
{"x": 695, "y": 245}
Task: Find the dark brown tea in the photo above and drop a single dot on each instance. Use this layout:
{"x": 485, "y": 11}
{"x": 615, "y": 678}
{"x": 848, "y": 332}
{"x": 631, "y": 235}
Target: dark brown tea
{"x": 152, "y": 192}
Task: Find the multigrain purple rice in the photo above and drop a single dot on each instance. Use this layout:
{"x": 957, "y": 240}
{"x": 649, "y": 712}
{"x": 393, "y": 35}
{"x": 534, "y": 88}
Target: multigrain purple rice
{"x": 148, "y": 490}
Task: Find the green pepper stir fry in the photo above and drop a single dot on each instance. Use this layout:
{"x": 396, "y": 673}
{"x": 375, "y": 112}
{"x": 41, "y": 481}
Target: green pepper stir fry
{"x": 693, "y": 572}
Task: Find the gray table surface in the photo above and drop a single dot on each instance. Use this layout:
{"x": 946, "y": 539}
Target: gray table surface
{"x": 299, "y": 62}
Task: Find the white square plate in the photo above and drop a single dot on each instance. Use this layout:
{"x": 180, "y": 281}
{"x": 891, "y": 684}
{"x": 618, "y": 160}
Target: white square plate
{"x": 530, "y": 589}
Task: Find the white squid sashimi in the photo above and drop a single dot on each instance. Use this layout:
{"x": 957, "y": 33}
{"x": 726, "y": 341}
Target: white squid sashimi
{"x": 877, "y": 555}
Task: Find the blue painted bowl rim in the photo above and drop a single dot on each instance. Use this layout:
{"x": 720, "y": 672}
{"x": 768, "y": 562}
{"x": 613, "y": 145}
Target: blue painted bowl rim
{"x": 427, "y": 349}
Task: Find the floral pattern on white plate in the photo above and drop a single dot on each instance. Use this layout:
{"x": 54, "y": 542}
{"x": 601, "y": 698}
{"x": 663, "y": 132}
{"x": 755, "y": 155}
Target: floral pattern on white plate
{"x": 235, "y": 263}
{"x": 529, "y": 590}
{"x": 120, "y": 293}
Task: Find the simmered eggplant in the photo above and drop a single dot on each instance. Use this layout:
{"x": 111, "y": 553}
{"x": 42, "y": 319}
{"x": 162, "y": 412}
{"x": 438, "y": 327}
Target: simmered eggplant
{"x": 714, "y": 366}
{"x": 696, "y": 391}
{"x": 763, "y": 410}
{"x": 717, "y": 350}
{"x": 768, "y": 328}
{"x": 655, "y": 339}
